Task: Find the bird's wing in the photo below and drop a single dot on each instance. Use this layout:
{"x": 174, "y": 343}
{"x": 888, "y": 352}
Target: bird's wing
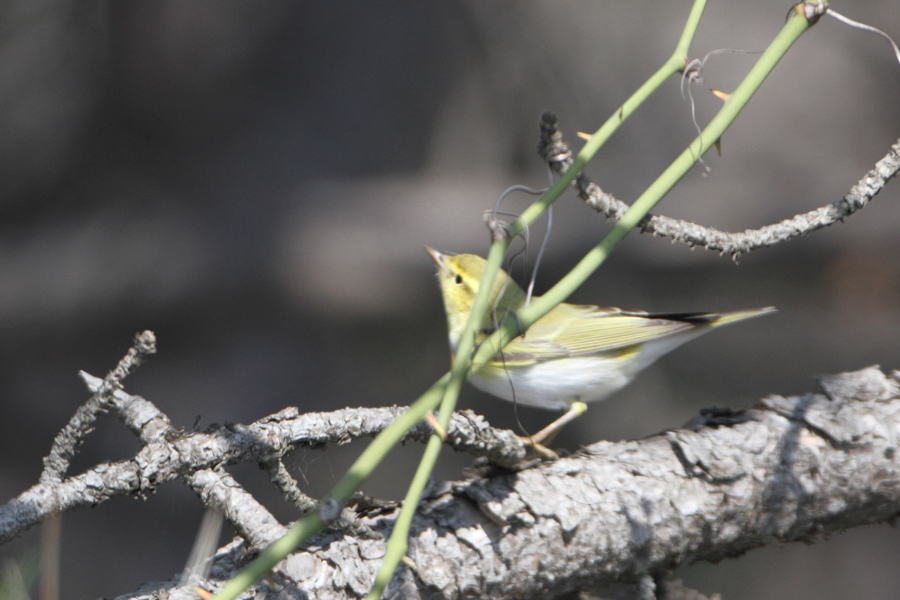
{"x": 581, "y": 330}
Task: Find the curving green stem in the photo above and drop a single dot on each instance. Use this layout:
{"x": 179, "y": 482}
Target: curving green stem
{"x": 397, "y": 545}
{"x": 361, "y": 469}
{"x": 446, "y": 390}
{"x": 675, "y": 64}
{"x": 511, "y": 328}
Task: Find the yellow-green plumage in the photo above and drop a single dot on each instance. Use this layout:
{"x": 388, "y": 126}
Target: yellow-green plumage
{"x": 573, "y": 353}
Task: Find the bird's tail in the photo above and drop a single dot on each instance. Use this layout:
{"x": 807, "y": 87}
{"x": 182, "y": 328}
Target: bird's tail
{"x": 713, "y": 319}
{"x": 739, "y": 315}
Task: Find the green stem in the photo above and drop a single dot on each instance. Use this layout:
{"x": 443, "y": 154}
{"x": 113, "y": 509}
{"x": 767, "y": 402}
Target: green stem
{"x": 361, "y": 469}
{"x": 511, "y": 328}
{"x": 447, "y": 388}
{"x": 309, "y": 526}
{"x": 397, "y": 545}
{"x": 675, "y": 64}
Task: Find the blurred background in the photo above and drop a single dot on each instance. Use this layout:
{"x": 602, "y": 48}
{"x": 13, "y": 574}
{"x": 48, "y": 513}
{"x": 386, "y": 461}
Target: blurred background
{"x": 254, "y": 182}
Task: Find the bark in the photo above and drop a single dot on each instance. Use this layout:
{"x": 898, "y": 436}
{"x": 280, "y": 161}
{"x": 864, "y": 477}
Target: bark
{"x": 789, "y": 469}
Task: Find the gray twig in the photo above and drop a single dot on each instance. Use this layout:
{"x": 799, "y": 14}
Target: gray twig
{"x": 557, "y": 155}
{"x": 252, "y": 521}
{"x": 67, "y": 441}
{"x": 198, "y": 458}
{"x": 284, "y": 481}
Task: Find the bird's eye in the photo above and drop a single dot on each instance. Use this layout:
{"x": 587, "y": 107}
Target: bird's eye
{"x": 458, "y": 280}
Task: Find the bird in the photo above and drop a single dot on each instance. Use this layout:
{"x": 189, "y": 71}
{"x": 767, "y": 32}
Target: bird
{"x": 574, "y": 354}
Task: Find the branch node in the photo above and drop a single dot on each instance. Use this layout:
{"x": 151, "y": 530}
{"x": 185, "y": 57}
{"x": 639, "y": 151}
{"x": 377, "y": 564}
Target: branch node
{"x": 811, "y": 11}
{"x": 329, "y": 510}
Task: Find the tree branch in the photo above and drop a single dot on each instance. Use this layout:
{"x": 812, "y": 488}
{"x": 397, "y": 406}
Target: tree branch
{"x": 198, "y": 458}
{"x": 555, "y": 152}
{"x": 790, "y": 469}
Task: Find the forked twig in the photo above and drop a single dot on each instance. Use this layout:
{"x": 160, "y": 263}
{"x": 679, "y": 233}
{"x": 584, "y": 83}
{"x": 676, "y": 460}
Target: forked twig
{"x": 557, "y": 155}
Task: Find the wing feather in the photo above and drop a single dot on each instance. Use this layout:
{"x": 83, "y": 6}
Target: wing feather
{"x": 581, "y": 330}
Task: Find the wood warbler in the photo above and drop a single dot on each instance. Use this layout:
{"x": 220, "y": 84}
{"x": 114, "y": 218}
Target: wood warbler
{"x": 573, "y": 354}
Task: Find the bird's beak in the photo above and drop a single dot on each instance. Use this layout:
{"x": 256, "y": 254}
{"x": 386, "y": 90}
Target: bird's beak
{"x": 437, "y": 257}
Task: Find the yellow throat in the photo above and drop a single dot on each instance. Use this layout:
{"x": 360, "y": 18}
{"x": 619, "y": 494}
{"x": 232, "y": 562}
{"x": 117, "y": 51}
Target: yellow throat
{"x": 459, "y": 277}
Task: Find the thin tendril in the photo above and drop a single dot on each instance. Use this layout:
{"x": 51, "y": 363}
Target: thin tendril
{"x": 510, "y": 190}
{"x": 691, "y": 74}
{"x": 865, "y": 27}
{"x": 537, "y": 262}
{"x": 495, "y": 321}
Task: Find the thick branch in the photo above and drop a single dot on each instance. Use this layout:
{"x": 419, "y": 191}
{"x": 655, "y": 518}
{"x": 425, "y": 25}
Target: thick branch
{"x": 197, "y": 457}
{"x": 790, "y": 469}
{"x": 557, "y": 155}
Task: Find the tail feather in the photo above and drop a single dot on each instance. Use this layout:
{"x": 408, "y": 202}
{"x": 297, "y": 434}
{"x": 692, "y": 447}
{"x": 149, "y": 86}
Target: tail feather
{"x": 740, "y": 315}
{"x": 713, "y": 319}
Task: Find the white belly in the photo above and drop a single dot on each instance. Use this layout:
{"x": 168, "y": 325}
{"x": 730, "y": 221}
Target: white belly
{"x": 554, "y": 384}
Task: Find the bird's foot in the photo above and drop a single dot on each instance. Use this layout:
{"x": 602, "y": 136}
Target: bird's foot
{"x": 541, "y": 451}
